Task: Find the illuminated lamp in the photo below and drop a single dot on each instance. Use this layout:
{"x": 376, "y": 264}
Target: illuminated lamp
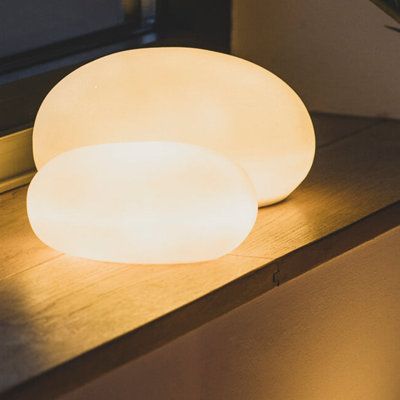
{"x": 142, "y": 202}
{"x": 184, "y": 95}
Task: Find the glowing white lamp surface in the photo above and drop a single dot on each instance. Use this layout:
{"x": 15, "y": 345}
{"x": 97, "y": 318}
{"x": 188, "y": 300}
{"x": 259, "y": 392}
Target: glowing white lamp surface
{"x": 142, "y": 202}
{"x": 184, "y": 95}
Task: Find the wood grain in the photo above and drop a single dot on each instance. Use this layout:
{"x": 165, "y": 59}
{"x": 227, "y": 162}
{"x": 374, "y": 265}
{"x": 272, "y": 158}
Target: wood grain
{"x": 64, "y": 320}
{"x": 332, "y": 128}
{"x": 349, "y": 180}
{"x": 16, "y": 160}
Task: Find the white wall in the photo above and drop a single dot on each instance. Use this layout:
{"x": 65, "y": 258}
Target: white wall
{"x": 337, "y": 54}
{"x": 331, "y": 334}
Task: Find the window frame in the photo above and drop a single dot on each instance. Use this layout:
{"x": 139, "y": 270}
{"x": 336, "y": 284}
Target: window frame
{"x": 26, "y": 79}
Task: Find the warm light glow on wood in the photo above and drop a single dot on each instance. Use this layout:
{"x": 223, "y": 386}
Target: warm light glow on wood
{"x": 142, "y": 202}
{"x": 184, "y": 95}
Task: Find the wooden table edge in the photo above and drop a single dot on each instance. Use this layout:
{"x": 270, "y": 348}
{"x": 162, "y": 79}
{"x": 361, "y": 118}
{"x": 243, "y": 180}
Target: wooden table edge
{"x": 90, "y": 365}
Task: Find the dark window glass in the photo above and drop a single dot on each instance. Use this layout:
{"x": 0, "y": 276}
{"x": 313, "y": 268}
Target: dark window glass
{"x": 43, "y": 40}
{"x": 52, "y": 21}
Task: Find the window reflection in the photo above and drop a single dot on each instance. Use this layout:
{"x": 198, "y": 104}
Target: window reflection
{"x": 27, "y": 25}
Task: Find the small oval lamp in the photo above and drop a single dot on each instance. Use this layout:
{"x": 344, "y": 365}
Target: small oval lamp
{"x": 185, "y": 95}
{"x": 142, "y": 202}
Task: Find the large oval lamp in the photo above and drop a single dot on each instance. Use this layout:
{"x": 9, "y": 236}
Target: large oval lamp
{"x": 184, "y": 95}
{"x": 142, "y": 202}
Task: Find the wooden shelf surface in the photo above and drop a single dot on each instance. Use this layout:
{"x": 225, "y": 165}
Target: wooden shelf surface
{"x": 65, "y": 320}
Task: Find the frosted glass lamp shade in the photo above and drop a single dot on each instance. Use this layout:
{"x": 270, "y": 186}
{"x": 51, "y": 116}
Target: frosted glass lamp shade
{"x": 142, "y": 202}
{"x": 185, "y": 95}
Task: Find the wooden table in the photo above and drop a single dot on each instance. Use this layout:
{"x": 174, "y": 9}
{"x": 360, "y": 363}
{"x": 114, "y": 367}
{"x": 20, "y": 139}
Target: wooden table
{"x": 65, "y": 320}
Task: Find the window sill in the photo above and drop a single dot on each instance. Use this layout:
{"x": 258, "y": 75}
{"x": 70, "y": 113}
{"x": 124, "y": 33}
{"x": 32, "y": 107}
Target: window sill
{"x": 67, "y": 320}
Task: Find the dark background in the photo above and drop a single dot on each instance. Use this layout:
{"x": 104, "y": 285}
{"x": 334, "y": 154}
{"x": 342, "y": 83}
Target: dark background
{"x": 42, "y": 41}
